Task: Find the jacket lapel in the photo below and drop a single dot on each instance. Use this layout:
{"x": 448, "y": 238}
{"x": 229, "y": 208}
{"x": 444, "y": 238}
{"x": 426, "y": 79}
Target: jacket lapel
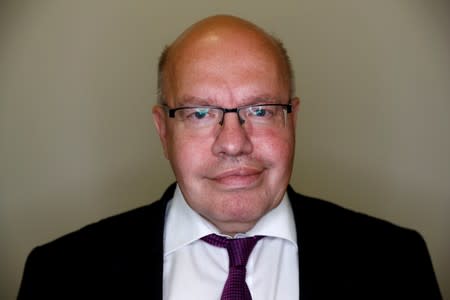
{"x": 152, "y": 252}
{"x": 315, "y": 266}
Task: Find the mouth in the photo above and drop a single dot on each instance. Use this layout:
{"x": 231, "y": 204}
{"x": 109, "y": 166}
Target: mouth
{"x": 242, "y": 177}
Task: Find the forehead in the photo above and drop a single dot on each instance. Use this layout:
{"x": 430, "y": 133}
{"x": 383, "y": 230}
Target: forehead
{"x": 223, "y": 64}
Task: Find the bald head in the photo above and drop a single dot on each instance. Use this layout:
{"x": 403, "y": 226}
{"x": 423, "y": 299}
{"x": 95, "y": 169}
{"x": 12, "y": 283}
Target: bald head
{"x": 229, "y": 34}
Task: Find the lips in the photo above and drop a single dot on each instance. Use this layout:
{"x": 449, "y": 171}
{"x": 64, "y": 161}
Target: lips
{"x": 238, "y": 177}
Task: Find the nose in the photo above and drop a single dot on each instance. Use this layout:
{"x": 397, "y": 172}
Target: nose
{"x": 232, "y": 138}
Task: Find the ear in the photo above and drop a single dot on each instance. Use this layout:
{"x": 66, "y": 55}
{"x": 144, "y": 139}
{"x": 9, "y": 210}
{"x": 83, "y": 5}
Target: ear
{"x": 295, "y": 108}
{"x": 159, "y": 118}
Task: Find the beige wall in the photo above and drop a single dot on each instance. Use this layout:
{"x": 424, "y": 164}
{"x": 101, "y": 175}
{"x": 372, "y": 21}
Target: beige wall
{"x": 77, "y": 82}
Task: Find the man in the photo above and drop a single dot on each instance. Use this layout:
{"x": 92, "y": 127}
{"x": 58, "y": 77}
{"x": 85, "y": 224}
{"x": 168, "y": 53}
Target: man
{"x": 226, "y": 119}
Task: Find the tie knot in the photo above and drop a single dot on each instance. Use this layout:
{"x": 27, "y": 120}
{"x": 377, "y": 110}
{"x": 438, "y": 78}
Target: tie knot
{"x": 238, "y": 249}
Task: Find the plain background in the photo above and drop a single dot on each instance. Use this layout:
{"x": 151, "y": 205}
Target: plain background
{"x": 78, "y": 80}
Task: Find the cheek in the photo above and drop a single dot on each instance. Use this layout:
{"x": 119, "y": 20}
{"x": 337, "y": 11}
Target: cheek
{"x": 275, "y": 148}
{"x": 188, "y": 153}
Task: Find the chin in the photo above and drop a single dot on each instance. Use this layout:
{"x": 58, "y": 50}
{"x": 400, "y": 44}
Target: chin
{"x": 243, "y": 210}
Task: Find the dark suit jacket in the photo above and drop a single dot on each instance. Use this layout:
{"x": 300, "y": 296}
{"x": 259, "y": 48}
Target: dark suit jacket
{"x": 342, "y": 255}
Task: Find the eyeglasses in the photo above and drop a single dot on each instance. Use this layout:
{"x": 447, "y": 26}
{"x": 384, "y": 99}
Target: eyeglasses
{"x": 259, "y": 115}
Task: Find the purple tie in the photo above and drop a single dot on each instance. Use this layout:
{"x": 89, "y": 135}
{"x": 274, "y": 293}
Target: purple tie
{"x": 238, "y": 252}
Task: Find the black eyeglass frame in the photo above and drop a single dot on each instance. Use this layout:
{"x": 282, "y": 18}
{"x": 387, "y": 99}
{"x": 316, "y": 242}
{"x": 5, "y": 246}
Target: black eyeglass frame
{"x": 171, "y": 111}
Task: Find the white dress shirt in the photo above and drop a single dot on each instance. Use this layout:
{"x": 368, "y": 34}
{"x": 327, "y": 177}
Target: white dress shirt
{"x": 194, "y": 269}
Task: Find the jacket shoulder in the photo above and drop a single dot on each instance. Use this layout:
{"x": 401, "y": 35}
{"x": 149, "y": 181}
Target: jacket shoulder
{"x": 356, "y": 253}
{"x": 121, "y": 227}
{"x": 324, "y": 215}
{"x": 121, "y": 255}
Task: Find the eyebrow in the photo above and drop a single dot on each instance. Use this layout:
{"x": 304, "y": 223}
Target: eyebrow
{"x": 188, "y": 100}
{"x": 264, "y": 99}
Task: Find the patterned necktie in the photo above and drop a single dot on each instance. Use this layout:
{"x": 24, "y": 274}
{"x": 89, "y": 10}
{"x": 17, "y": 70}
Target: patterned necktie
{"x": 238, "y": 252}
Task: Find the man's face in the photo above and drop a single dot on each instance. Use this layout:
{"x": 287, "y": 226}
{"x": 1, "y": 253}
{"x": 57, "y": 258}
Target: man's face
{"x": 231, "y": 175}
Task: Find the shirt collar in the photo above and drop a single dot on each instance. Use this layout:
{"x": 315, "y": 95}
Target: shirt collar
{"x": 186, "y": 226}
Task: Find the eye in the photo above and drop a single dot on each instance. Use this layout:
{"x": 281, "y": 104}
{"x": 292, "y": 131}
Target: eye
{"x": 203, "y": 115}
{"x": 195, "y": 113}
{"x": 200, "y": 113}
{"x": 260, "y": 112}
